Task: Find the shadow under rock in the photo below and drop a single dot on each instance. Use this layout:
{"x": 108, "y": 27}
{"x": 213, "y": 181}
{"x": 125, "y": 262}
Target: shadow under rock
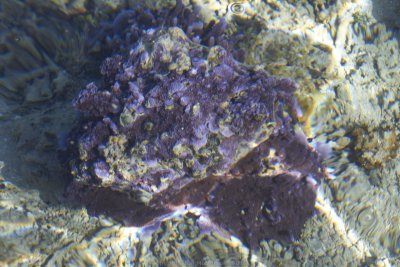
{"x": 29, "y": 148}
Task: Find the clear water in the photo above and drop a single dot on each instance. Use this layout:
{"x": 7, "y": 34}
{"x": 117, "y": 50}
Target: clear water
{"x": 345, "y": 57}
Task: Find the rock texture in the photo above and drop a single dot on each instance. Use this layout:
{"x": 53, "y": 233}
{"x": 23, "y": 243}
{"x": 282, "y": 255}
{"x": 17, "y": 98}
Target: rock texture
{"x": 177, "y": 123}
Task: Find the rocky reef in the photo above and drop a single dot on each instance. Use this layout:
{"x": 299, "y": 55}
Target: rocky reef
{"x": 177, "y": 124}
{"x": 117, "y": 34}
{"x": 346, "y": 65}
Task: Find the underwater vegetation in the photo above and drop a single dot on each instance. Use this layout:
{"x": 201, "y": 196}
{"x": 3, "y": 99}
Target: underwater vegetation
{"x": 178, "y": 122}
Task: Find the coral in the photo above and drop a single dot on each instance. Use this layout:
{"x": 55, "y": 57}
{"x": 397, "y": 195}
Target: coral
{"x": 357, "y": 228}
{"x": 375, "y": 149}
{"x": 130, "y": 24}
{"x": 95, "y": 102}
{"x": 204, "y": 129}
{"x": 177, "y": 123}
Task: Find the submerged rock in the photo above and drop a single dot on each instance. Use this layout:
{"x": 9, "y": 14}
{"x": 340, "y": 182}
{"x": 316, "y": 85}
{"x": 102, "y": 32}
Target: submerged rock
{"x": 178, "y": 124}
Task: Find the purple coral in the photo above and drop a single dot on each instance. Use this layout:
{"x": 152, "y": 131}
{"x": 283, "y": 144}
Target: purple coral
{"x": 129, "y": 25}
{"x": 179, "y": 123}
{"x": 95, "y": 102}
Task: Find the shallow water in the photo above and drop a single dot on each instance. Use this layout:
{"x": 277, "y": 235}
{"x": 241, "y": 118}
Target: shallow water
{"x": 346, "y": 62}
